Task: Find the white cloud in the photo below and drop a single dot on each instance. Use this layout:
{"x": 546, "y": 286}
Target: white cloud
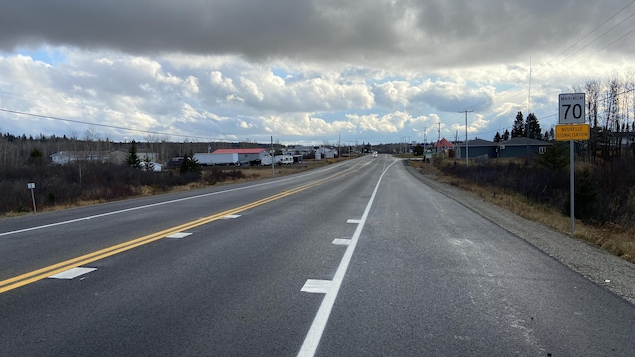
{"x": 301, "y": 69}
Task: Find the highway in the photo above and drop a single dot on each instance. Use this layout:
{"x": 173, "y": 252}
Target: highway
{"x": 358, "y": 258}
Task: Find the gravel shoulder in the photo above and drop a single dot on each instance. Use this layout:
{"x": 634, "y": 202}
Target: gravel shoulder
{"x": 594, "y": 263}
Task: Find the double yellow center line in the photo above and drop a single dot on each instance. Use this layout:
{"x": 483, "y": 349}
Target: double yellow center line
{"x": 33, "y": 276}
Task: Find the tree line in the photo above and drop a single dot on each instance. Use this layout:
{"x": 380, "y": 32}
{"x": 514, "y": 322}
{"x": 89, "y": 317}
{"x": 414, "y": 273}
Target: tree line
{"x": 604, "y": 184}
{"x": 610, "y": 110}
{"x": 529, "y": 128}
{"x": 25, "y": 159}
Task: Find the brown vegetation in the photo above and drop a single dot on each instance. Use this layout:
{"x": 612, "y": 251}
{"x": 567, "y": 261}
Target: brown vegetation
{"x": 80, "y": 184}
{"x": 541, "y": 196}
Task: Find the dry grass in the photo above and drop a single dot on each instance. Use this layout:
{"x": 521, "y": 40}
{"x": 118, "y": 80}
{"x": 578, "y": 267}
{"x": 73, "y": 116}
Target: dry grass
{"x": 617, "y": 240}
{"x": 249, "y": 173}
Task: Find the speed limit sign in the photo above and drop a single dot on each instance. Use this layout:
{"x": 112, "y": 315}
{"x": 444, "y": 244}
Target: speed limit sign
{"x": 572, "y": 108}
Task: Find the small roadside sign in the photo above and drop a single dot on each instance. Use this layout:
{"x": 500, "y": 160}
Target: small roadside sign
{"x": 31, "y": 186}
{"x": 572, "y": 108}
{"x": 572, "y": 132}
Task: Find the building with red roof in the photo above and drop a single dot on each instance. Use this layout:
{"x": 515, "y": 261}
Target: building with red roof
{"x": 443, "y": 146}
{"x": 245, "y": 155}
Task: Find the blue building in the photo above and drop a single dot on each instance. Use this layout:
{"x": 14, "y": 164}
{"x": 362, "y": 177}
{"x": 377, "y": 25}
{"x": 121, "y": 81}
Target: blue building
{"x": 521, "y": 147}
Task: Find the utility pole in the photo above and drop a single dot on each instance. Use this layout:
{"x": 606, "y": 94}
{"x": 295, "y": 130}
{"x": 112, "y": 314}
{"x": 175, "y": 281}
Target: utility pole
{"x": 466, "y": 152}
{"x": 439, "y": 139}
{"x": 425, "y": 132}
{"x": 529, "y": 89}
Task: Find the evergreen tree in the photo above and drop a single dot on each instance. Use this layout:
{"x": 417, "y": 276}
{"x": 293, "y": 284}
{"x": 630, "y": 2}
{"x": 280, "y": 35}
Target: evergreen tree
{"x": 133, "y": 159}
{"x": 519, "y": 126}
{"x": 148, "y": 165}
{"x": 555, "y": 157}
{"x": 36, "y": 157}
{"x": 190, "y": 164}
{"x": 497, "y": 137}
{"x": 532, "y": 127}
{"x": 506, "y": 135}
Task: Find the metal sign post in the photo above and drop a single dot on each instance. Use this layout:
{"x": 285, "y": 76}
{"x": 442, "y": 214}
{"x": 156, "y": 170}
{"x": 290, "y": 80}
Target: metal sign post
{"x": 31, "y": 186}
{"x": 571, "y": 115}
{"x": 273, "y": 164}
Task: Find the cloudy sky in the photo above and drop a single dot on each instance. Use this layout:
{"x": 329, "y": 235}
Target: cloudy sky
{"x": 302, "y": 71}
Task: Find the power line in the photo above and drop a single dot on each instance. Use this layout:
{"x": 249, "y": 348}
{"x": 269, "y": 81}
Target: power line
{"x": 540, "y": 69}
{"x": 104, "y": 125}
{"x": 589, "y": 33}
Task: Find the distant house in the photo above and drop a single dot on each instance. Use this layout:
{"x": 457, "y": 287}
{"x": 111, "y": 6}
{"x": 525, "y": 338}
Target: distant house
{"x": 520, "y": 147}
{"x": 66, "y": 157}
{"x": 246, "y": 155}
{"x": 443, "y": 146}
{"x": 303, "y": 150}
{"x": 324, "y": 152}
{"x": 477, "y": 148}
{"x": 118, "y": 157}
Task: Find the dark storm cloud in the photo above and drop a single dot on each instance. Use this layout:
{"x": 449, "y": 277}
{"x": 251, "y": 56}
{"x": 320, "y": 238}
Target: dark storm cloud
{"x": 255, "y": 29}
{"x": 436, "y": 32}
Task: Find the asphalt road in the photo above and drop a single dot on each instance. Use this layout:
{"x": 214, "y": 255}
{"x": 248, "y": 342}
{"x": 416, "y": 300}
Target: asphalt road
{"x": 357, "y": 259}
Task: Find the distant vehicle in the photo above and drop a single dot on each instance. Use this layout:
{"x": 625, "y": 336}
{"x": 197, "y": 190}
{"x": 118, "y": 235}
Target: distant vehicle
{"x": 375, "y": 154}
{"x": 284, "y": 159}
{"x": 217, "y": 159}
{"x": 280, "y": 160}
{"x": 151, "y": 166}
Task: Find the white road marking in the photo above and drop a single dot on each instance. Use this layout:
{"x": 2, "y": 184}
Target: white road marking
{"x": 314, "y": 335}
{"x": 179, "y": 235}
{"x": 72, "y": 273}
{"x": 355, "y": 221}
{"x": 341, "y": 241}
{"x": 317, "y": 286}
{"x": 231, "y": 216}
{"x": 312, "y": 172}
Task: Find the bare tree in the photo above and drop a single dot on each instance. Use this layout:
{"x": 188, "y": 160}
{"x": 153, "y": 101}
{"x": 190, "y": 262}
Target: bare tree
{"x": 592, "y": 91}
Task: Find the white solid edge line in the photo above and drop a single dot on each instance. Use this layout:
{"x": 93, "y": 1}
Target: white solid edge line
{"x": 312, "y": 172}
{"x": 314, "y": 335}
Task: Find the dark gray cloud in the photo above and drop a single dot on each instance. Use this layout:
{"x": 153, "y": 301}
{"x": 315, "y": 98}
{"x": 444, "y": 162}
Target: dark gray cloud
{"x": 435, "y": 32}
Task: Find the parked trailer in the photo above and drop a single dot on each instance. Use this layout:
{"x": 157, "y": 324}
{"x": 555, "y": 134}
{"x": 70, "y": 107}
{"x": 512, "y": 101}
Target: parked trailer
{"x": 217, "y": 159}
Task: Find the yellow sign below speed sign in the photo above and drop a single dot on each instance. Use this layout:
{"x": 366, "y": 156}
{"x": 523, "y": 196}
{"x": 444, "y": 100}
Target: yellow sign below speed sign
{"x": 572, "y": 132}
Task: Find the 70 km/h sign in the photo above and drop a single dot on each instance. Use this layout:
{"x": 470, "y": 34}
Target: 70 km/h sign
{"x": 571, "y": 108}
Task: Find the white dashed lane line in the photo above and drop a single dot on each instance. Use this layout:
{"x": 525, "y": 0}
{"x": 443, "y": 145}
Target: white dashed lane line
{"x": 72, "y": 273}
{"x": 317, "y": 286}
{"x": 331, "y": 287}
{"x": 179, "y": 235}
{"x": 341, "y": 241}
